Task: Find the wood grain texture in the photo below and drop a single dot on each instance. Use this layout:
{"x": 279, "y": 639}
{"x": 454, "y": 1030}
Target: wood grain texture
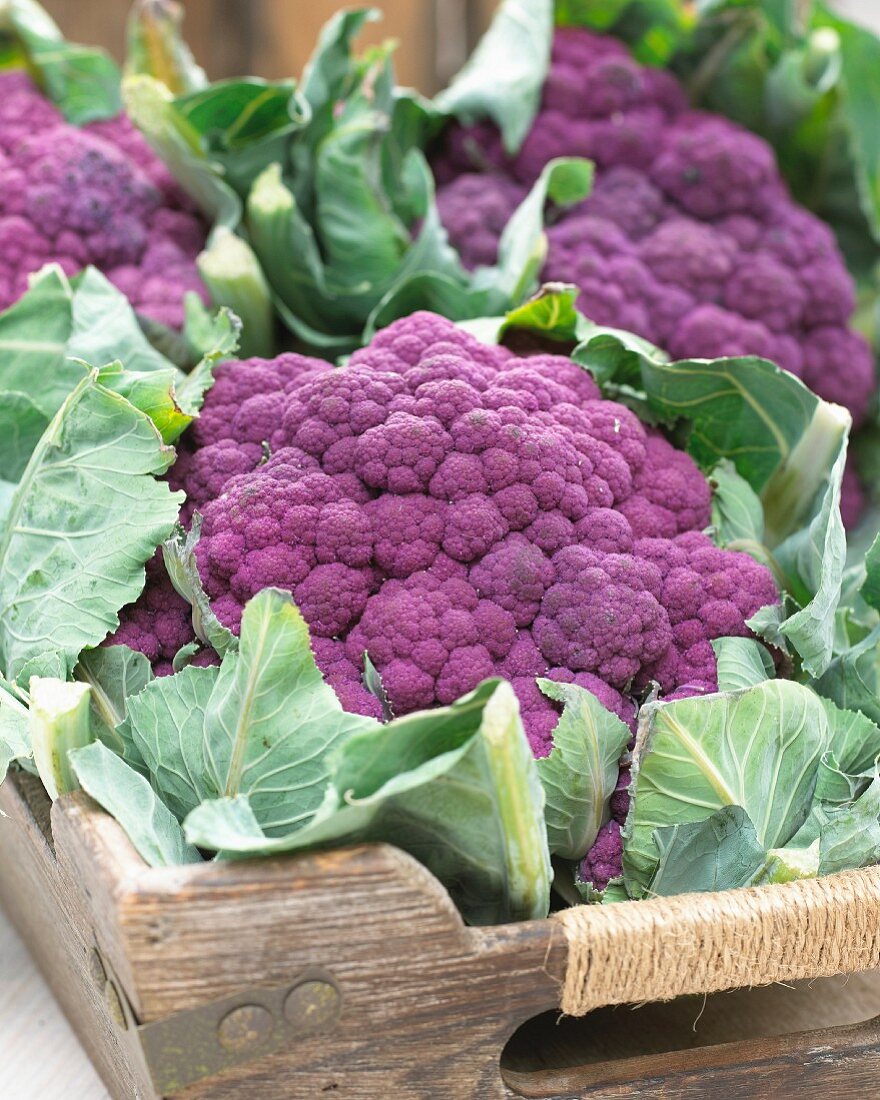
{"x": 53, "y": 920}
{"x": 284, "y": 35}
{"x": 427, "y": 1004}
{"x": 92, "y": 22}
{"x": 274, "y": 38}
{"x": 829, "y": 1062}
{"x": 629, "y": 1031}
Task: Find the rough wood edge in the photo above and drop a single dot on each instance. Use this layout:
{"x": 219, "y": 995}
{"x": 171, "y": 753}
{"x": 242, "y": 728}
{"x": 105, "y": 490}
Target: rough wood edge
{"x": 50, "y": 919}
{"x": 136, "y": 907}
{"x": 428, "y": 1004}
{"x": 803, "y": 1063}
{"x": 656, "y": 950}
{"x": 426, "y": 1001}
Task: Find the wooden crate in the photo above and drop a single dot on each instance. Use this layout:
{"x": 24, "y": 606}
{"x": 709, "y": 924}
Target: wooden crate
{"x": 347, "y": 973}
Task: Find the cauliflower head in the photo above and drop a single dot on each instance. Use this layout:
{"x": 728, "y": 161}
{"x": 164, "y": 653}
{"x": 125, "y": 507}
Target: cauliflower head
{"x": 455, "y": 512}
{"x": 689, "y": 238}
{"x": 92, "y": 195}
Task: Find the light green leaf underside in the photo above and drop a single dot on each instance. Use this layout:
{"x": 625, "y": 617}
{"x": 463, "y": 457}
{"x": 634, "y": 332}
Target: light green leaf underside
{"x": 741, "y": 663}
{"x": 580, "y": 774}
{"x": 758, "y": 748}
{"x": 125, "y": 794}
{"x": 87, "y": 514}
{"x": 456, "y": 787}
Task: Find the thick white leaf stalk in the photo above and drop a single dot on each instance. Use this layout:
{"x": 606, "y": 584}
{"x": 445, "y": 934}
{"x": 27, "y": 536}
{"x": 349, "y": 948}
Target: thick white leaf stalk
{"x": 59, "y": 722}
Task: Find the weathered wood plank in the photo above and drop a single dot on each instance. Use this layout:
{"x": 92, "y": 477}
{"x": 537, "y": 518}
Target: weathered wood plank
{"x": 427, "y": 1003}
{"x": 221, "y": 35}
{"x": 94, "y": 24}
{"x": 830, "y": 1062}
{"x": 284, "y": 36}
{"x": 635, "y": 1031}
{"x": 40, "y": 1055}
{"x": 274, "y": 38}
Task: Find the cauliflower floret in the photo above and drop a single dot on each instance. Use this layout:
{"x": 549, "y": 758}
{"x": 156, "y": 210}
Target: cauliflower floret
{"x": 711, "y": 168}
{"x": 604, "y": 861}
{"x": 159, "y": 623}
{"x": 91, "y": 195}
{"x": 602, "y": 615}
{"x": 476, "y": 208}
{"x": 851, "y": 380}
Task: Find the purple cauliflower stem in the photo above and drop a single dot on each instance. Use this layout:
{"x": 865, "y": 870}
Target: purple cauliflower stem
{"x": 690, "y": 238}
{"x": 91, "y": 195}
{"x": 456, "y": 512}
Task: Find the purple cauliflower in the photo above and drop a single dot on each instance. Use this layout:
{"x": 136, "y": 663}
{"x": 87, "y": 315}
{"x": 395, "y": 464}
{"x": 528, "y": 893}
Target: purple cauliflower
{"x": 604, "y": 861}
{"x": 160, "y": 623}
{"x": 91, "y": 195}
{"x": 479, "y": 213}
{"x": 456, "y": 512}
{"x": 689, "y": 239}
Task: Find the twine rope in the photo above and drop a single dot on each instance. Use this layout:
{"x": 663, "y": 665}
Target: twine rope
{"x": 702, "y": 943}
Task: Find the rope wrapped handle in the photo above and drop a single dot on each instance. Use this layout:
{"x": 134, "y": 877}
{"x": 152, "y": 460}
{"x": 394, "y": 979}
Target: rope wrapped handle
{"x": 702, "y": 943}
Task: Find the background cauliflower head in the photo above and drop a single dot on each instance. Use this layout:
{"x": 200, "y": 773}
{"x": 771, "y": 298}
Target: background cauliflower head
{"x": 91, "y": 195}
{"x": 690, "y": 237}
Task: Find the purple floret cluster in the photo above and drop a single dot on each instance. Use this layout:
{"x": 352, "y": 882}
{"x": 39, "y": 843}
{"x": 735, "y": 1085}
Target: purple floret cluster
{"x": 690, "y": 237}
{"x": 159, "y": 623}
{"x": 604, "y": 861}
{"x": 456, "y": 512}
{"x": 91, "y": 195}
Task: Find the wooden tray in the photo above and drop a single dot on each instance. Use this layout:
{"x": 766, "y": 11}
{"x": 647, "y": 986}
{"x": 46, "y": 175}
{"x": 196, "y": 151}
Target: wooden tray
{"x": 346, "y": 974}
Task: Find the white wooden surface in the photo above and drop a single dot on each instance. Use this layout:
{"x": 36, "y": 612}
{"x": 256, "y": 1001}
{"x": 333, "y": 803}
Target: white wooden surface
{"x": 40, "y": 1058}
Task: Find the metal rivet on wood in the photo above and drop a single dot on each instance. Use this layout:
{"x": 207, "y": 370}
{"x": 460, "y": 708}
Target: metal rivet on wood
{"x": 245, "y": 1028}
{"x": 191, "y": 1045}
{"x": 312, "y": 1006}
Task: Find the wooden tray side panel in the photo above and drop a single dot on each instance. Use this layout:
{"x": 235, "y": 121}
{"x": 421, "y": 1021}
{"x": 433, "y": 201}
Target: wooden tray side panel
{"x": 830, "y": 1062}
{"x": 426, "y": 1003}
{"x": 56, "y": 929}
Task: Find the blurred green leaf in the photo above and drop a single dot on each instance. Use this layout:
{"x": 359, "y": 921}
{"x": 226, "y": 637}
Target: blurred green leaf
{"x": 504, "y": 76}
{"x": 83, "y": 82}
{"x": 155, "y": 46}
